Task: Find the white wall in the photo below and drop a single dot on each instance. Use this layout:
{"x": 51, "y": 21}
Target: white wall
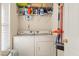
{"x": 8, "y": 25}
{"x": 13, "y": 22}
{"x": 37, "y": 23}
{"x": 71, "y": 29}
{"x": 0, "y": 25}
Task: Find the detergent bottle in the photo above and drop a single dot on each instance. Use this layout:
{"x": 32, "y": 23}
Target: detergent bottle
{"x": 29, "y": 12}
{"x": 20, "y": 11}
{"x": 41, "y": 11}
{"x": 26, "y": 11}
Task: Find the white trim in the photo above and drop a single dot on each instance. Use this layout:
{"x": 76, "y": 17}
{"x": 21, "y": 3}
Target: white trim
{"x": 5, "y": 29}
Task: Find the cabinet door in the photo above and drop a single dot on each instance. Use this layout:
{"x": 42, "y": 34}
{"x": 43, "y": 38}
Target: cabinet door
{"x": 24, "y": 45}
{"x": 44, "y": 49}
{"x": 44, "y": 45}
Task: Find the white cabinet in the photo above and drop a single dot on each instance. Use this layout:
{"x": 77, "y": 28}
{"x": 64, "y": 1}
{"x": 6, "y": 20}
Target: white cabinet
{"x": 24, "y": 45}
{"x": 44, "y": 45}
{"x": 36, "y": 45}
{"x": 44, "y": 49}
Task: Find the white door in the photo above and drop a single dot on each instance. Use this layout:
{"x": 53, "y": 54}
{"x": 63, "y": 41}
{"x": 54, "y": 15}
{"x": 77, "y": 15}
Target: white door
{"x": 71, "y": 29}
{"x": 24, "y": 45}
{"x": 44, "y": 49}
{"x": 44, "y": 45}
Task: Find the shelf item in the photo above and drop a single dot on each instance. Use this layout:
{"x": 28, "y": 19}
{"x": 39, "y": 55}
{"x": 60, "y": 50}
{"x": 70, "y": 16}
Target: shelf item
{"x": 33, "y": 8}
{"x": 44, "y": 5}
{"x": 41, "y": 11}
{"x": 47, "y": 5}
{"x": 23, "y": 4}
{"x": 37, "y": 11}
{"x": 20, "y": 11}
{"x": 29, "y": 10}
{"x": 26, "y": 11}
{"x": 36, "y": 5}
